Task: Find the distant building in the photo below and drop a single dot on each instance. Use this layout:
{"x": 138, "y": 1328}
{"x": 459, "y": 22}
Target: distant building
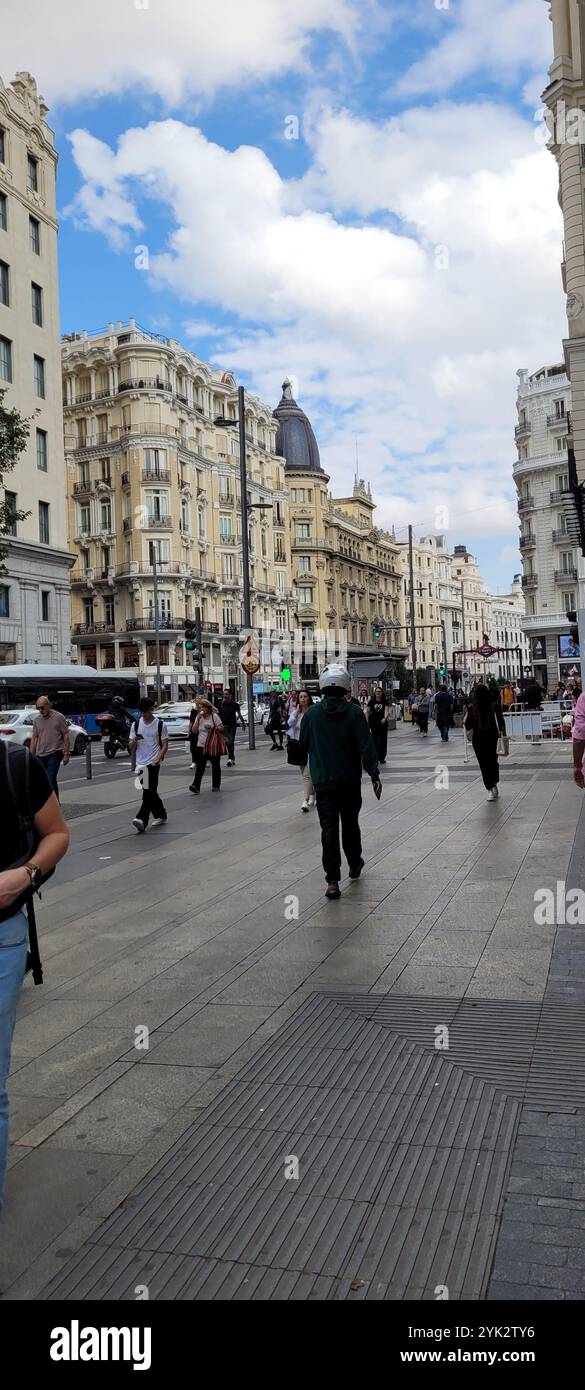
{"x": 552, "y": 563}
{"x": 34, "y": 595}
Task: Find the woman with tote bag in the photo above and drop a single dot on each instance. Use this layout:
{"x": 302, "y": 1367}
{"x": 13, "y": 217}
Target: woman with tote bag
{"x": 485, "y": 722}
{"x": 208, "y": 744}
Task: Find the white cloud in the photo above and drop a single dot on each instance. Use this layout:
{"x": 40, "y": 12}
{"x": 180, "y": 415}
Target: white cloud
{"x": 502, "y": 39}
{"x": 416, "y": 362}
{"x": 175, "y": 48}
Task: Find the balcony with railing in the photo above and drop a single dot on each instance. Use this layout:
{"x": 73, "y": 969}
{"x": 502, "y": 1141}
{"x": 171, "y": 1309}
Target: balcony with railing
{"x": 145, "y": 383}
{"x": 209, "y": 627}
{"x": 525, "y": 504}
{"x": 566, "y": 576}
{"x": 232, "y": 629}
{"x": 561, "y": 538}
{"x": 166, "y": 623}
{"x": 83, "y": 488}
{"x": 156, "y": 475}
{"x": 82, "y": 577}
{"x": 529, "y": 581}
{"x": 559, "y": 496}
{"x": 522, "y": 429}
{"x": 92, "y": 629}
{"x": 126, "y": 524}
{"x": 161, "y": 523}
{"x": 131, "y": 568}
{"x": 557, "y": 422}
{"x": 527, "y": 542}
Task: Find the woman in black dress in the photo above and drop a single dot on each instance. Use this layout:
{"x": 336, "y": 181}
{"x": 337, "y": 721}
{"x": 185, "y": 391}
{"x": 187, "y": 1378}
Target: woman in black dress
{"x": 486, "y": 722}
{"x": 378, "y": 722}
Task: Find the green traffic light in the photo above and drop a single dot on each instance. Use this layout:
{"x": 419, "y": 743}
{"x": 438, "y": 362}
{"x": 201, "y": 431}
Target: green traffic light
{"x": 285, "y": 673}
{"x": 189, "y": 646}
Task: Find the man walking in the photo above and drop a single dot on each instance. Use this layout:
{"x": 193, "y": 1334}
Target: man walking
{"x": 444, "y": 712}
{"x": 50, "y": 740}
{"x": 230, "y": 714}
{"x": 150, "y": 738}
{"x": 336, "y": 741}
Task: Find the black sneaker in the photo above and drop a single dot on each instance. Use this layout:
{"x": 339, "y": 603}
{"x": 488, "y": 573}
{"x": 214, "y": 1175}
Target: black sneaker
{"x": 355, "y": 873}
{"x": 332, "y": 890}
{"x": 195, "y": 790}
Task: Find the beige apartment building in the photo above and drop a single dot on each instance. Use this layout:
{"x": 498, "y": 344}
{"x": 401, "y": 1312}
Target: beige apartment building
{"x": 34, "y": 594}
{"x": 346, "y": 572}
{"x": 152, "y": 450}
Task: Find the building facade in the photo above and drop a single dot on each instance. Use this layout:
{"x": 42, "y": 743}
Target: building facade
{"x": 152, "y": 449}
{"x": 552, "y": 563}
{"x": 564, "y": 98}
{"x": 34, "y": 593}
{"x": 506, "y": 632}
{"x": 346, "y": 571}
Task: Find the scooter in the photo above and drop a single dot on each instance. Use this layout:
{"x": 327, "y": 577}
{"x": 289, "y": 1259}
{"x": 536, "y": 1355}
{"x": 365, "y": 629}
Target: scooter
{"x": 115, "y": 735}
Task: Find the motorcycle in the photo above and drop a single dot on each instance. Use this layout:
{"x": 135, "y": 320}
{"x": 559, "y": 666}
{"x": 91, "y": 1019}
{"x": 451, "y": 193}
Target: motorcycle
{"x": 115, "y": 734}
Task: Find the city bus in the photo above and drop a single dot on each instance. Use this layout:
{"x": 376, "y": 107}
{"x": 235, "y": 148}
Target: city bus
{"x": 79, "y": 692}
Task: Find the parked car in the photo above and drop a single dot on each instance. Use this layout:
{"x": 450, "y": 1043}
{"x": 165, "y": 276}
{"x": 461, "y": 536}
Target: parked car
{"x": 260, "y": 712}
{"x": 16, "y": 726}
{"x": 176, "y": 717}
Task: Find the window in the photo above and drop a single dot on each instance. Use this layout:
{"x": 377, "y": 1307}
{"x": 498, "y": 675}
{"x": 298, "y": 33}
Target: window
{"x": 157, "y": 506}
{"x": 5, "y": 359}
{"x": 569, "y": 601}
{"x": 303, "y": 532}
{"x": 562, "y": 481}
{"x": 185, "y": 521}
{"x": 105, "y": 472}
{"x": 201, "y": 524}
{"x": 4, "y": 283}
{"x": 227, "y": 613}
{"x": 32, "y": 174}
{"x": 88, "y": 610}
{"x": 10, "y": 505}
{"x": 37, "y": 304}
{"x": 2, "y": 145}
{"x": 304, "y": 564}
{"x": 305, "y": 593}
{"x": 162, "y": 550}
{"x": 559, "y": 410}
{"x": 3, "y": 213}
{"x": 45, "y": 596}
{"x": 109, "y": 602}
{"x": 44, "y": 533}
{"x": 225, "y": 528}
{"x": 151, "y": 654}
{"x": 227, "y": 566}
{"x": 567, "y": 561}
{"x": 4, "y": 601}
{"x": 562, "y": 443}
{"x": 42, "y": 450}
{"x": 84, "y": 521}
{"x": 39, "y": 369}
{"x": 263, "y": 549}
{"x": 34, "y": 235}
{"x": 106, "y": 515}
{"x": 155, "y": 461}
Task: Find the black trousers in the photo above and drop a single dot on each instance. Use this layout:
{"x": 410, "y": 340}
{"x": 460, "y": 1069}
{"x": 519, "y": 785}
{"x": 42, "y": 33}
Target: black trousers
{"x": 379, "y": 732}
{"x": 423, "y": 721}
{"x": 335, "y": 804}
{"x": 443, "y": 730}
{"x": 201, "y": 761}
{"x": 485, "y": 747}
{"x": 151, "y": 802}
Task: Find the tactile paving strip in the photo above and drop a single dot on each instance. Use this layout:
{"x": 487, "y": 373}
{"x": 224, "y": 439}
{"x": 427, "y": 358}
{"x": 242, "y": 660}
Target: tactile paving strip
{"x": 402, "y": 1162}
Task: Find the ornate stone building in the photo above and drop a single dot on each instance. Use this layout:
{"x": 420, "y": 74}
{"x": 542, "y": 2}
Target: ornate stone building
{"x": 152, "y": 454}
{"x": 34, "y": 594}
{"x": 345, "y": 570}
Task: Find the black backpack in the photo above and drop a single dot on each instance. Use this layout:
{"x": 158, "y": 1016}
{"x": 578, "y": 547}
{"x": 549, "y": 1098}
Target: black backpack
{"x": 160, "y": 725}
{"x": 17, "y": 774}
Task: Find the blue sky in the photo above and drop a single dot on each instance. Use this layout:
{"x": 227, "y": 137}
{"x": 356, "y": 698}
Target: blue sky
{"x": 400, "y": 259}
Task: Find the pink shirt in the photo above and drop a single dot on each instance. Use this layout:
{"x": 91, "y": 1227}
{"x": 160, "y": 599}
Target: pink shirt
{"x": 579, "y": 719}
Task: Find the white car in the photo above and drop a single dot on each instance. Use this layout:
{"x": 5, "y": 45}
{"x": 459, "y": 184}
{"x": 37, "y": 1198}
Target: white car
{"x": 260, "y": 712}
{"x": 176, "y": 717}
{"x": 16, "y": 727}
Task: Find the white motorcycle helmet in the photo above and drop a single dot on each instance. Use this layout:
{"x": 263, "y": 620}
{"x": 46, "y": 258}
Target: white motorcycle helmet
{"x": 334, "y": 675}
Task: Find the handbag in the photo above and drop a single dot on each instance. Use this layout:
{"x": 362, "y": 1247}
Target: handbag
{"x": 293, "y": 752}
{"x": 215, "y": 745}
{"x": 503, "y": 744}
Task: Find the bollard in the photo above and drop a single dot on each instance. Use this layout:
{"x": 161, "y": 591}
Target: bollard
{"x": 88, "y": 769}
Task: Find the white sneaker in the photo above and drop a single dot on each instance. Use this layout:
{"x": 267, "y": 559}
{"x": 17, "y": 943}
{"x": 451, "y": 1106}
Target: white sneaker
{"x": 491, "y": 796}
{"x": 160, "y": 820}
{"x": 139, "y": 825}
{"x": 312, "y": 801}
{"x": 305, "y": 806}
{"x": 229, "y": 763}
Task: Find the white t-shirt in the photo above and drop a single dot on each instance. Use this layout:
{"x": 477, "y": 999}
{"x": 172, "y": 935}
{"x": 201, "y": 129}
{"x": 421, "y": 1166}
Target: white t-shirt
{"x": 206, "y": 722}
{"x": 148, "y": 746}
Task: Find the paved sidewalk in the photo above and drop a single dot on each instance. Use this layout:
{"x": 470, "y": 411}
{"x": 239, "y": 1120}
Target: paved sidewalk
{"x": 311, "y": 1034}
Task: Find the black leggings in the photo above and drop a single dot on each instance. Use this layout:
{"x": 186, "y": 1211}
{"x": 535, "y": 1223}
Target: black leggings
{"x": 201, "y": 761}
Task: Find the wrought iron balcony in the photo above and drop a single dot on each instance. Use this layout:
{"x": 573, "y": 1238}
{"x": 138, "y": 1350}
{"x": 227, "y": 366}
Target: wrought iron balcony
{"x": 522, "y": 429}
{"x": 561, "y": 538}
{"x": 146, "y": 623}
{"x": 209, "y": 627}
{"x": 525, "y": 504}
{"x": 554, "y": 421}
{"x": 529, "y": 581}
{"x": 91, "y": 629}
{"x": 145, "y": 383}
{"x": 161, "y": 523}
{"x": 156, "y": 475}
{"x": 527, "y": 542}
{"x": 558, "y": 496}
{"x": 567, "y": 576}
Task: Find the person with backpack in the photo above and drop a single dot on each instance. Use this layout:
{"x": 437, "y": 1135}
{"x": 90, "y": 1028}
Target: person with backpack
{"x": 150, "y": 740}
{"x": 335, "y": 740}
{"x": 230, "y": 714}
{"x": 34, "y": 839}
{"x": 208, "y": 744}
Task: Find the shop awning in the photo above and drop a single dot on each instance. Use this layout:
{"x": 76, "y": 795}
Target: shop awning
{"x": 370, "y": 666}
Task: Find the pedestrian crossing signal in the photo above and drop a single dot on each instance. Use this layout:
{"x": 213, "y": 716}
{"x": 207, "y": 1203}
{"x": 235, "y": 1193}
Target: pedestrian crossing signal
{"x": 377, "y": 630}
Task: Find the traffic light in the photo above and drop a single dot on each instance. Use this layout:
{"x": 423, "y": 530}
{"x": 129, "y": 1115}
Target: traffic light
{"x": 442, "y": 671}
{"x": 377, "y": 630}
{"x": 189, "y": 634}
{"x": 284, "y": 673}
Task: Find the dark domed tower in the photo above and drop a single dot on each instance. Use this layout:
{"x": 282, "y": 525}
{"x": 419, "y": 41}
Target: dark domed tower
{"x": 309, "y": 513}
{"x": 295, "y": 439}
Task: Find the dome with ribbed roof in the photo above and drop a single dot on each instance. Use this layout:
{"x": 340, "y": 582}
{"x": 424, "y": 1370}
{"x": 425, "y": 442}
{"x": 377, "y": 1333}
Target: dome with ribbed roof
{"x": 295, "y": 440}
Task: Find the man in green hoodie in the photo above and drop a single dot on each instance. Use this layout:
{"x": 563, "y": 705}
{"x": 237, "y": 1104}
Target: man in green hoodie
{"x": 336, "y": 740}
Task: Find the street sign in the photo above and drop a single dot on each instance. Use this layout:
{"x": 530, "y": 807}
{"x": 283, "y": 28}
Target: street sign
{"x": 487, "y": 650}
{"x": 465, "y": 675}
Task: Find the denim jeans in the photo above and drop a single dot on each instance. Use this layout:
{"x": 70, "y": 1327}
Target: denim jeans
{"x": 52, "y": 762}
{"x": 13, "y": 951}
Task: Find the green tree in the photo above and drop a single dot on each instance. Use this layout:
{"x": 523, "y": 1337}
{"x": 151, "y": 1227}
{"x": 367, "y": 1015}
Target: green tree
{"x": 14, "y": 433}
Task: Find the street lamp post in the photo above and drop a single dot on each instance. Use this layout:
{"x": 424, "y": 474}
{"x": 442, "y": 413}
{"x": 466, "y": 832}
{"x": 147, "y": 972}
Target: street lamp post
{"x": 246, "y": 559}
